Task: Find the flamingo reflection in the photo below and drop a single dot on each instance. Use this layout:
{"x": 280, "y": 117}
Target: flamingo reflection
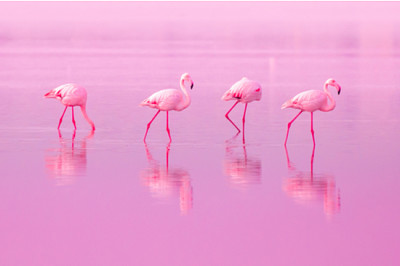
{"x": 163, "y": 181}
{"x": 68, "y": 161}
{"x": 241, "y": 169}
{"x": 306, "y": 187}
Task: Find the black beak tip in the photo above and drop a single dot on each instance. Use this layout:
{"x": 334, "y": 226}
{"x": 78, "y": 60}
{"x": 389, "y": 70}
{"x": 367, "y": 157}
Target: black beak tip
{"x": 339, "y": 92}
{"x": 191, "y": 86}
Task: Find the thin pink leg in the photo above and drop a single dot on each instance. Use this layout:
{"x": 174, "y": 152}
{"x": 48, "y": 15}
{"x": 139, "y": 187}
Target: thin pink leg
{"x": 289, "y": 124}
{"x": 148, "y": 125}
{"x": 59, "y": 124}
{"x": 73, "y": 118}
{"x": 243, "y": 120}
{"x": 287, "y": 159}
{"x": 312, "y": 129}
{"x": 227, "y": 117}
{"x": 169, "y": 135}
{"x": 312, "y": 163}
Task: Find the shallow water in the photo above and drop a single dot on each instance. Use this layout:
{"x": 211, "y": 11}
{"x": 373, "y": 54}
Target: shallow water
{"x": 206, "y": 199}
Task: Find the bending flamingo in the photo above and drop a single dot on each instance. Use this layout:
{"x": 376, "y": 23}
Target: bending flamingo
{"x": 311, "y": 101}
{"x": 244, "y": 91}
{"x": 71, "y": 95}
{"x": 167, "y": 100}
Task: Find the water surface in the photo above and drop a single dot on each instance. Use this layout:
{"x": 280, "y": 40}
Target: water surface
{"x": 77, "y": 198}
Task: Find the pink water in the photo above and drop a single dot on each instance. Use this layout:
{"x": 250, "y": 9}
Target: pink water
{"x": 107, "y": 199}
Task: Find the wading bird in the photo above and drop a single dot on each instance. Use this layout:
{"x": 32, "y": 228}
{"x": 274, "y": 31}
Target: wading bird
{"x": 167, "y": 100}
{"x": 311, "y": 101}
{"x": 244, "y": 91}
{"x": 71, "y": 95}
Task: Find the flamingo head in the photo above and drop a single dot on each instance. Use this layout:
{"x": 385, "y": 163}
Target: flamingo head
{"x": 186, "y": 77}
{"x": 333, "y": 83}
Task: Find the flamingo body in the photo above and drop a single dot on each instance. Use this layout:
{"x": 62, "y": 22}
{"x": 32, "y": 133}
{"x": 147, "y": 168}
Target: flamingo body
{"x": 311, "y": 101}
{"x": 71, "y": 95}
{"x": 168, "y": 100}
{"x": 244, "y": 91}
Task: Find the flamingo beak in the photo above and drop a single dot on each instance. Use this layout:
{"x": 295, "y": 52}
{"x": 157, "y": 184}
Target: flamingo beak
{"x": 339, "y": 89}
{"x": 191, "y": 86}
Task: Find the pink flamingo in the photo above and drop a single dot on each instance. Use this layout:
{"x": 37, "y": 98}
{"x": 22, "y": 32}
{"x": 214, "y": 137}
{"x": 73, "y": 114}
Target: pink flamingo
{"x": 71, "y": 95}
{"x": 169, "y": 99}
{"x": 311, "y": 101}
{"x": 244, "y": 91}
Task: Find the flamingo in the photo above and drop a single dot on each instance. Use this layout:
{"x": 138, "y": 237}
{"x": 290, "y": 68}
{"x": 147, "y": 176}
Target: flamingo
{"x": 167, "y": 100}
{"x": 244, "y": 91}
{"x": 311, "y": 101}
{"x": 71, "y": 95}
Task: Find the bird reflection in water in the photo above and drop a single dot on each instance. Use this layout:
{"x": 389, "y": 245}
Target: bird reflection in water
{"x": 68, "y": 161}
{"x": 242, "y": 169}
{"x": 164, "y": 182}
{"x": 306, "y": 187}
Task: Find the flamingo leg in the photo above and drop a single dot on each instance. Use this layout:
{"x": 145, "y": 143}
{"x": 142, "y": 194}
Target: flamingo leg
{"x": 312, "y": 129}
{"x": 227, "y": 117}
{"x": 243, "y": 120}
{"x": 148, "y": 125}
{"x": 73, "y": 118}
{"x": 312, "y": 163}
{"x": 289, "y": 124}
{"x": 169, "y": 135}
{"x": 59, "y": 124}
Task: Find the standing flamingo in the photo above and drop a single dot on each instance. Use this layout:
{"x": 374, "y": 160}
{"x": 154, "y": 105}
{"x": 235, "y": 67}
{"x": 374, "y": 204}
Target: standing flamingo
{"x": 169, "y": 99}
{"x": 311, "y": 101}
{"x": 244, "y": 91}
{"x": 71, "y": 95}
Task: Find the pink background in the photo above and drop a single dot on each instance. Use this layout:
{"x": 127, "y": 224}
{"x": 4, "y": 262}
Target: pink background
{"x": 107, "y": 199}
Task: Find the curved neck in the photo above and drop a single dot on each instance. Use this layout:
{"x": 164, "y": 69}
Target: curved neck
{"x": 83, "y": 109}
{"x": 330, "y": 106}
{"x": 186, "y": 101}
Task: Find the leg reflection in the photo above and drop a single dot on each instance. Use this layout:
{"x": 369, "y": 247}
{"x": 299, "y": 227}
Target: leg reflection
{"x": 164, "y": 181}
{"x": 306, "y": 186}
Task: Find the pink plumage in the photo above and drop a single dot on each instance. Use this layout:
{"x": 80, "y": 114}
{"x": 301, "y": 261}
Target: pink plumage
{"x": 169, "y": 99}
{"x": 71, "y": 95}
{"x": 311, "y": 101}
{"x": 244, "y": 91}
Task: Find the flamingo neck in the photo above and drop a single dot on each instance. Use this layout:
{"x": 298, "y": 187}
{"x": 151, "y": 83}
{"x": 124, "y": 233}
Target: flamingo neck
{"x": 186, "y": 101}
{"x": 330, "y": 106}
{"x": 83, "y": 109}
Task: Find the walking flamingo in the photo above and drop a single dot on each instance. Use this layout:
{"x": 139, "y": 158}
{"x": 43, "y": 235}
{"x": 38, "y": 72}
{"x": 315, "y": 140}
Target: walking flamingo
{"x": 311, "y": 101}
{"x": 71, "y": 95}
{"x": 167, "y": 100}
{"x": 244, "y": 91}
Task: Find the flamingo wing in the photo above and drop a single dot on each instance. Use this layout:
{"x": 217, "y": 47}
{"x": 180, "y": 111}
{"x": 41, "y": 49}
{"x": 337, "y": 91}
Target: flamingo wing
{"x": 164, "y": 100}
